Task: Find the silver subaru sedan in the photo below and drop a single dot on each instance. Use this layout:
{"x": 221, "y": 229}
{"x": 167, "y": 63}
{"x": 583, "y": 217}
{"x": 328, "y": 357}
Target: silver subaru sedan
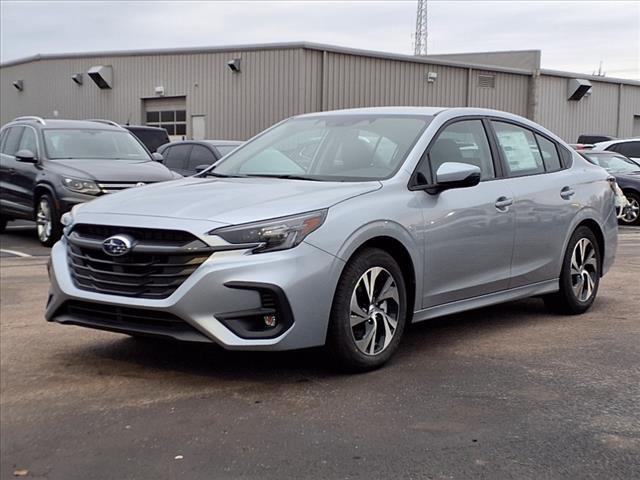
{"x": 340, "y": 228}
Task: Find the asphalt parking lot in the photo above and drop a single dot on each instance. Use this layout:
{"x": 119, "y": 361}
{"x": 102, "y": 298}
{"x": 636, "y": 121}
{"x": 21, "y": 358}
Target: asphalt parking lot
{"x": 503, "y": 392}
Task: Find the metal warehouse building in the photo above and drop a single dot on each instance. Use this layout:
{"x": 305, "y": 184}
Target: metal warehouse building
{"x": 234, "y": 92}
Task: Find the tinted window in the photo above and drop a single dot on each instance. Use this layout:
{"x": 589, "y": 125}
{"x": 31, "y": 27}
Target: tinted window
{"x": 12, "y": 141}
{"x": 463, "y": 142}
{"x": 152, "y": 139}
{"x": 176, "y": 157}
{"x": 519, "y": 149}
{"x": 200, "y": 156}
{"x": 549, "y": 153}
{"x": 629, "y": 149}
{"x": 28, "y": 141}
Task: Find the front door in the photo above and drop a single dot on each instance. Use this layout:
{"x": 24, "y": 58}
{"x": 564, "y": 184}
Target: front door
{"x": 468, "y": 231}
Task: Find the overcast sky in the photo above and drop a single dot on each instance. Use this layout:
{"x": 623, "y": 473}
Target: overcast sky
{"x": 573, "y": 35}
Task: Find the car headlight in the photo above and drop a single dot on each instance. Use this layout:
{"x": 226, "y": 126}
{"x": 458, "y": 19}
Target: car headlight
{"x": 88, "y": 187}
{"x": 271, "y": 235}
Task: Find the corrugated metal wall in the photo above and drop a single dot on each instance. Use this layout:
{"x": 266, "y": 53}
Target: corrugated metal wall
{"x": 280, "y": 82}
{"x": 273, "y": 85}
{"x": 597, "y": 113}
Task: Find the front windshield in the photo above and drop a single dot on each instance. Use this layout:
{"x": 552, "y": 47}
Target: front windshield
{"x": 338, "y": 148}
{"x": 93, "y": 144}
{"x": 614, "y": 163}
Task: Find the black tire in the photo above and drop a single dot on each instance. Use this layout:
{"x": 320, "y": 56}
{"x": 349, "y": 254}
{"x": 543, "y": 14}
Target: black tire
{"x": 3, "y": 223}
{"x": 634, "y": 199}
{"x": 567, "y": 301}
{"x": 341, "y": 336}
{"x": 48, "y": 236}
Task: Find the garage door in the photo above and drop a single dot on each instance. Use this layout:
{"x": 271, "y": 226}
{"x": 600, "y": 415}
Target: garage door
{"x": 168, "y": 113}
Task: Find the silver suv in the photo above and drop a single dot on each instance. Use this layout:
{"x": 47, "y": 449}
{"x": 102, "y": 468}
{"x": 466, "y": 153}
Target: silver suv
{"x": 340, "y": 228}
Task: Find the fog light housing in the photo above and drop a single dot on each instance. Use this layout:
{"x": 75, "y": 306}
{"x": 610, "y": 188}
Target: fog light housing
{"x": 270, "y": 321}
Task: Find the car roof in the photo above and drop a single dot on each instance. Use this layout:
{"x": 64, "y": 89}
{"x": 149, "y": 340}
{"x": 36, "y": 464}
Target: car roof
{"x": 601, "y": 145}
{"x": 58, "y": 123}
{"x": 144, "y": 127}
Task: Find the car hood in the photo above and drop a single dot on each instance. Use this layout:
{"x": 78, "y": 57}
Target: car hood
{"x": 112, "y": 170}
{"x": 228, "y": 200}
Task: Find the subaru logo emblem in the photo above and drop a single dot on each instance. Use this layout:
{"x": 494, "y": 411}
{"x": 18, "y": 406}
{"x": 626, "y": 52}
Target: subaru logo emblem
{"x": 140, "y": 184}
{"x": 117, "y": 245}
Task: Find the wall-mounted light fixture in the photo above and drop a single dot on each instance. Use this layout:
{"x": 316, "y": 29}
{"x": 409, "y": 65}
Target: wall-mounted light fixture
{"x": 102, "y": 75}
{"x": 432, "y": 77}
{"x": 19, "y": 85}
{"x": 77, "y": 78}
{"x": 234, "y": 65}
{"x": 159, "y": 91}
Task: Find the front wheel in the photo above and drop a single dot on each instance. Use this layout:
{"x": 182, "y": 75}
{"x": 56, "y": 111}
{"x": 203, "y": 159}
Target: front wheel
{"x": 632, "y": 214}
{"x": 580, "y": 276}
{"x": 369, "y": 311}
{"x": 47, "y": 221}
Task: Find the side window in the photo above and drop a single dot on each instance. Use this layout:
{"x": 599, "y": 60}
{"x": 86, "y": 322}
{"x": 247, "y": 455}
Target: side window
{"x": 200, "y": 156}
{"x": 629, "y": 149}
{"x": 12, "y": 141}
{"x": 3, "y": 135}
{"x": 549, "y": 153}
{"x": 463, "y": 142}
{"x": 28, "y": 141}
{"x": 176, "y": 156}
{"x": 519, "y": 149}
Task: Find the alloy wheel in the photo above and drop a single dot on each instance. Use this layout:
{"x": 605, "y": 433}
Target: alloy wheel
{"x": 375, "y": 307}
{"x": 43, "y": 220}
{"x": 633, "y": 211}
{"x": 584, "y": 269}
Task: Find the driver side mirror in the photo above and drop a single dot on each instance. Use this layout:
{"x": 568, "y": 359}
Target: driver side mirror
{"x": 157, "y": 157}
{"x": 26, "y": 156}
{"x": 455, "y": 175}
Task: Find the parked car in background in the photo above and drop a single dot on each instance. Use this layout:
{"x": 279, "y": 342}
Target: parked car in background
{"x": 48, "y": 166}
{"x": 591, "y": 139}
{"x": 627, "y": 174}
{"x": 401, "y": 215}
{"x": 151, "y": 137}
{"x": 629, "y": 147}
{"x": 190, "y": 156}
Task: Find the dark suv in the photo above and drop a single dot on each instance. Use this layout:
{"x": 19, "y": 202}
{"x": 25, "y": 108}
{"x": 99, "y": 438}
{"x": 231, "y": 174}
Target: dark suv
{"x": 48, "y": 166}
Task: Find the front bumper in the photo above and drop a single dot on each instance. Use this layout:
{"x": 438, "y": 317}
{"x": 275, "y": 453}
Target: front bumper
{"x": 208, "y": 299}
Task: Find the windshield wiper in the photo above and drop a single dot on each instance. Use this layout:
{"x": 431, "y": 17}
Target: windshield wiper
{"x": 286, "y": 176}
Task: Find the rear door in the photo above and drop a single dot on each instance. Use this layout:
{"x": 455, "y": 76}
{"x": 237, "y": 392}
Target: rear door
{"x": 468, "y": 231}
{"x": 10, "y": 185}
{"x": 544, "y": 191}
{"x": 26, "y": 172}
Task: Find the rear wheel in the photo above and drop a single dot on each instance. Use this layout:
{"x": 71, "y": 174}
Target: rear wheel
{"x": 47, "y": 221}
{"x": 369, "y": 312}
{"x": 632, "y": 215}
{"x": 580, "y": 275}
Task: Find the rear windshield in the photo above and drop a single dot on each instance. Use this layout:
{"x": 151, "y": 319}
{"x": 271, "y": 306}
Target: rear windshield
{"x": 92, "y": 144}
{"x": 152, "y": 139}
{"x": 613, "y": 163}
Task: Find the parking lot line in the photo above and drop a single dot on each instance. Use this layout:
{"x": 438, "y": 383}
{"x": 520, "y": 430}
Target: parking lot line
{"x": 14, "y": 252}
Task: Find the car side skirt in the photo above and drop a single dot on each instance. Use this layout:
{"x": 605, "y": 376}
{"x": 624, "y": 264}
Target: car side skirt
{"x": 540, "y": 288}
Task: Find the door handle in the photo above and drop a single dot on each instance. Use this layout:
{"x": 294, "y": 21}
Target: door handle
{"x": 567, "y": 193}
{"x": 503, "y": 203}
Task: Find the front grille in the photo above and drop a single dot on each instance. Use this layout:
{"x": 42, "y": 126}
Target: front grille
{"x": 111, "y": 187}
{"x": 158, "y": 263}
{"x": 126, "y": 319}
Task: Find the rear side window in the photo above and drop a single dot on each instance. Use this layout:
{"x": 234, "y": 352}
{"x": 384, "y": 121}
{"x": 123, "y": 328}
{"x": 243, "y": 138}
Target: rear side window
{"x": 176, "y": 157}
{"x": 519, "y": 149}
{"x": 463, "y": 142}
{"x": 628, "y": 149}
{"x": 200, "y": 156}
{"x": 549, "y": 154}
{"x": 12, "y": 142}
